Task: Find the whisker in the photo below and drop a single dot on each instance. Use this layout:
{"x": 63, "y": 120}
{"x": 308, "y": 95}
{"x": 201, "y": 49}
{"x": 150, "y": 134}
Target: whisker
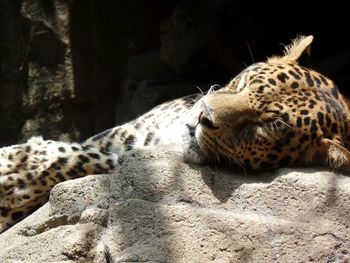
{"x": 200, "y": 90}
{"x": 212, "y": 88}
{"x": 250, "y": 52}
{"x": 281, "y": 121}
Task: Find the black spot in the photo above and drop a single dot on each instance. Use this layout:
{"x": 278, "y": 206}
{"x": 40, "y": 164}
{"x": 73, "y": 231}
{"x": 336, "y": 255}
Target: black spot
{"x": 79, "y": 167}
{"x": 312, "y": 104}
{"x": 16, "y": 215}
{"x": 320, "y": 118}
{"x": 272, "y": 81}
{"x": 294, "y": 74}
{"x": 148, "y": 139}
{"x": 279, "y": 106}
{"x": 72, "y": 173}
{"x": 117, "y": 130}
{"x": 34, "y": 166}
{"x": 61, "y": 149}
{"x": 94, "y": 155}
{"x": 309, "y": 80}
{"x": 60, "y": 177}
{"x": 26, "y": 197}
{"x": 313, "y": 127}
{"x": 100, "y": 135}
{"x": 299, "y": 122}
{"x": 328, "y": 120}
{"x": 83, "y": 158}
{"x": 37, "y": 191}
{"x": 304, "y": 138}
{"x": 123, "y": 135}
{"x": 282, "y": 77}
{"x": 285, "y": 117}
{"x": 272, "y": 156}
{"x": 53, "y": 180}
{"x": 266, "y": 165}
{"x": 334, "y": 128}
{"x": 261, "y": 89}
{"x": 285, "y": 160}
{"x": 55, "y": 166}
{"x": 110, "y": 164}
{"x": 317, "y": 81}
{"x": 328, "y": 108}
{"x": 21, "y": 183}
{"x": 137, "y": 126}
{"x": 74, "y": 148}
{"x": 318, "y": 98}
{"x": 29, "y": 176}
{"x": 62, "y": 160}
{"x": 129, "y": 142}
{"x": 304, "y": 112}
{"x": 149, "y": 115}
{"x": 24, "y": 159}
{"x": 290, "y": 135}
{"x": 307, "y": 120}
{"x": 292, "y": 149}
{"x": 28, "y": 148}
{"x": 44, "y": 174}
{"x": 324, "y": 80}
{"x": 106, "y": 149}
{"x": 178, "y": 109}
{"x": 279, "y": 145}
{"x": 334, "y": 92}
{"x": 247, "y": 162}
{"x": 4, "y": 211}
{"x": 294, "y": 85}
{"x": 33, "y": 182}
{"x": 99, "y": 169}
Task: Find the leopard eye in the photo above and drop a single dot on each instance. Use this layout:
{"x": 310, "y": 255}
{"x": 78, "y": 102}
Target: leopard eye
{"x": 203, "y": 120}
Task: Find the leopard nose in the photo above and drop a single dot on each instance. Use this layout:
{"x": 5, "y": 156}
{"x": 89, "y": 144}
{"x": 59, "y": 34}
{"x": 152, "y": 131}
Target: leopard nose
{"x": 205, "y": 120}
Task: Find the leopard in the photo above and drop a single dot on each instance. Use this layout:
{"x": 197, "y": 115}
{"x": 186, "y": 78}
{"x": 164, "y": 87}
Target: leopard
{"x": 272, "y": 114}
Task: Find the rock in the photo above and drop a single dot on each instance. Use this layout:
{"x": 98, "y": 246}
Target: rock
{"x": 156, "y": 208}
{"x": 62, "y": 64}
{"x": 13, "y": 45}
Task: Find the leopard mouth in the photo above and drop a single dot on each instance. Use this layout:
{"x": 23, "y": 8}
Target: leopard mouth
{"x": 192, "y": 152}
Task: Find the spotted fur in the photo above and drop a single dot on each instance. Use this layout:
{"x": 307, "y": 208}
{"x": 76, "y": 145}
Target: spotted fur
{"x": 274, "y": 113}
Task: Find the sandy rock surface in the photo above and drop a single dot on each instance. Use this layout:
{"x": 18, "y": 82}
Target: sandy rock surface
{"x": 155, "y": 208}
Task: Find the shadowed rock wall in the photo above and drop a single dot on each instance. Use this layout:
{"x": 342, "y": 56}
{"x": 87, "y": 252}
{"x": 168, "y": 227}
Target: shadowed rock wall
{"x": 70, "y": 69}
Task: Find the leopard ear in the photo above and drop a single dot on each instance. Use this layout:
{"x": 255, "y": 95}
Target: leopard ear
{"x": 299, "y": 46}
{"x": 338, "y": 157}
{"x": 295, "y": 50}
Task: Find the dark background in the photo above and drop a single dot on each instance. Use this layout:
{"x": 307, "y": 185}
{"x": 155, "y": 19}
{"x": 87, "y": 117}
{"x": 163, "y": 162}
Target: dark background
{"x": 70, "y": 69}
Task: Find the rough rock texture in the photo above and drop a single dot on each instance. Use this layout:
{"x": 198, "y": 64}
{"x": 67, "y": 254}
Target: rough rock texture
{"x": 155, "y": 208}
{"x": 62, "y": 63}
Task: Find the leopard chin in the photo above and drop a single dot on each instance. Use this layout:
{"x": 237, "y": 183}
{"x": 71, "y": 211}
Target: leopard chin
{"x": 192, "y": 153}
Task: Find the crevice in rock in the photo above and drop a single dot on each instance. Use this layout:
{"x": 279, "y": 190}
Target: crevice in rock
{"x": 51, "y": 223}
